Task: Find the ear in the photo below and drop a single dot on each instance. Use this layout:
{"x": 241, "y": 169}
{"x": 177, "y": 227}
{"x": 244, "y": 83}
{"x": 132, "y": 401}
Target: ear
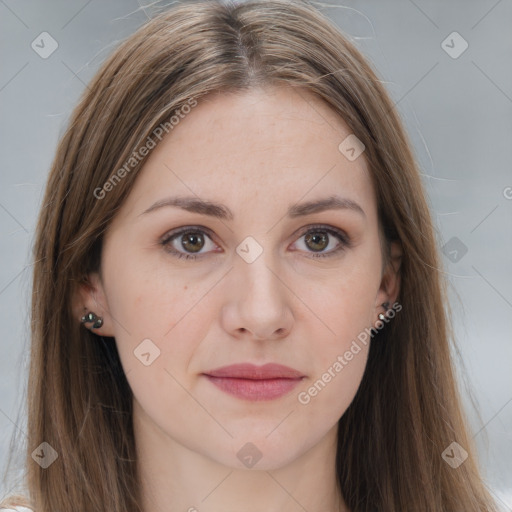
{"x": 89, "y": 296}
{"x": 390, "y": 281}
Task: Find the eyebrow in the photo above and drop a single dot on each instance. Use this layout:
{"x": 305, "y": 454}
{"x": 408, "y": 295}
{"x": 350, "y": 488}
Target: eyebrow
{"x": 220, "y": 211}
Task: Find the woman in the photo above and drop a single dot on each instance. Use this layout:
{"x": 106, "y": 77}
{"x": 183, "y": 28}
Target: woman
{"x": 238, "y": 301}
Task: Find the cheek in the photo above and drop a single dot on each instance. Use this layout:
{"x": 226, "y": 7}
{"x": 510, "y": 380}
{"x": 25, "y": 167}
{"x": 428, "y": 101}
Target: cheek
{"x": 338, "y": 370}
{"x": 165, "y": 330}
{"x": 155, "y": 316}
{"x": 339, "y": 344}
{"x": 331, "y": 389}
{"x": 341, "y": 305}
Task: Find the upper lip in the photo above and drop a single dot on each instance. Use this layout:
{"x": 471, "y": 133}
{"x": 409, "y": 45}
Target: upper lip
{"x": 253, "y": 372}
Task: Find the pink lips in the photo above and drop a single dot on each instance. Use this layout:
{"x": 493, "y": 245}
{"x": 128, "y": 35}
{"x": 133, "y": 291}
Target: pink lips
{"x": 250, "y": 382}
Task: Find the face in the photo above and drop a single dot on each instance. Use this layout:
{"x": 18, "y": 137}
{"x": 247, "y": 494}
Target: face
{"x": 256, "y": 274}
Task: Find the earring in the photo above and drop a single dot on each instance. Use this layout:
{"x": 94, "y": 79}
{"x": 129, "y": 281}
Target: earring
{"x": 91, "y": 317}
{"x": 385, "y": 305}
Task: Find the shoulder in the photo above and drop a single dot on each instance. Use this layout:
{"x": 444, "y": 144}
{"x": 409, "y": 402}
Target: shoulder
{"x": 16, "y": 503}
{"x": 16, "y": 509}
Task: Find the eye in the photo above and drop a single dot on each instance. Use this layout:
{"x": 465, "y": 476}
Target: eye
{"x": 319, "y": 238}
{"x": 192, "y": 239}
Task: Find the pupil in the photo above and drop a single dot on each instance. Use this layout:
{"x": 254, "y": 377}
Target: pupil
{"x": 190, "y": 240}
{"x": 320, "y": 238}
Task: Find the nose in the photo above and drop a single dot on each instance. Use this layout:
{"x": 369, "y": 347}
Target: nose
{"x": 258, "y": 302}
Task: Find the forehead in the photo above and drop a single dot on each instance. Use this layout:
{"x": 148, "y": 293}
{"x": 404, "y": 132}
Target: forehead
{"x": 254, "y": 147}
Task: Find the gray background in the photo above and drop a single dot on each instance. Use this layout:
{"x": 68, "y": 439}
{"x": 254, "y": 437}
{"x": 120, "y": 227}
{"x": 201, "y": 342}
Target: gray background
{"x": 457, "y": 112}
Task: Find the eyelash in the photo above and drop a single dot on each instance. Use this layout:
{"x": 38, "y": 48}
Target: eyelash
{"x": 344, "y": 240}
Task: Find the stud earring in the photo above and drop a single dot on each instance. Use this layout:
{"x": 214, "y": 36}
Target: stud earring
{"x": 382, "y": 316}
{"x": 91, "y": 317}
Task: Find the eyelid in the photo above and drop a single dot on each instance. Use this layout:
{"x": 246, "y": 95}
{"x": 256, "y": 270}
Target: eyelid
{"x": 326, "y": 227}
{"x": 186, "y": 229}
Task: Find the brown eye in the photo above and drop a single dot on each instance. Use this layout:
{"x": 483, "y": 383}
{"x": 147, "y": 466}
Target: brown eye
{"x": 192, "y": 241}
{"x": 323, "y": 241}
{"x": 188, "y": 242}
{"x": 317, "y": 240}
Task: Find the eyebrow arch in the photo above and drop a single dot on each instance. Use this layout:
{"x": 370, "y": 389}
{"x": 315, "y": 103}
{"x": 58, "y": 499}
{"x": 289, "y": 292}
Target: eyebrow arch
{"x": 220, "y": 211}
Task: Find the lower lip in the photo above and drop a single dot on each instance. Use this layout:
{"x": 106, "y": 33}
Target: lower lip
{"x": 254, "y": 390}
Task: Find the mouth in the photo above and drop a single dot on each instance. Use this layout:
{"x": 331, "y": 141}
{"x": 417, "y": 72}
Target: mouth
{"x": 255, "y": 383}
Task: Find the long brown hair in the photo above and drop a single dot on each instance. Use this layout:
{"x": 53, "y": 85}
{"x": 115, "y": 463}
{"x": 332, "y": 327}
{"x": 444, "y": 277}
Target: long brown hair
{"x": 407, "y": 410}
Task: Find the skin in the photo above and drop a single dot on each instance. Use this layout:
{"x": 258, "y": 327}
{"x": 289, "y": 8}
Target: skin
{"x": 257, "y": 153}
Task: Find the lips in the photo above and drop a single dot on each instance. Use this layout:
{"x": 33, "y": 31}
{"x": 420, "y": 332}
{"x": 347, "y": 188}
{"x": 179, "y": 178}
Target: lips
{"x": 250, "y": 371}
{"x": 249, "y": 382}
